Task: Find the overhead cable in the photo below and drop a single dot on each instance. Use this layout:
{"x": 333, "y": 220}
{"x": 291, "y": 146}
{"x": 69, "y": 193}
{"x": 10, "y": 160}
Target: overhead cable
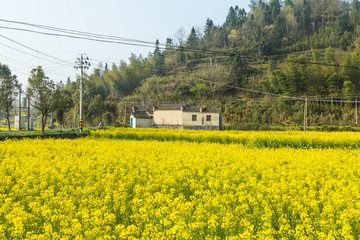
{"x": 37, "y": 51}
{"x": 248, "y": 90}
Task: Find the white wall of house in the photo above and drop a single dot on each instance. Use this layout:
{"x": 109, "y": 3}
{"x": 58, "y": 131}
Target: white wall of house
{"x": 141, "y": 122}
{"x": 168, "y": 117}
{"x": 201, "y": 119}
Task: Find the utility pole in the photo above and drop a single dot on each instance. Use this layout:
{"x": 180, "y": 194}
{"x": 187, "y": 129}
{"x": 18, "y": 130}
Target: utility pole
{"x": 28, "y": 113}
{"x": 305, "y": 114}
{"x": 356, "y": 111}
{"x": 125, "y": 115}
{"x": 82, "y": 63}
{"x": 19, "y": 107}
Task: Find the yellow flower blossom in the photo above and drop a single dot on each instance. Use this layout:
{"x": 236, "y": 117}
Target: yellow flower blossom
{"x": 199, "y": 185}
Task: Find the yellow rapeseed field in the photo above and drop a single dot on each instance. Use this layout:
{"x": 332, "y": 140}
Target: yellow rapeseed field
{"x": 272, "y": 139}
{"x": 101, "y": 188}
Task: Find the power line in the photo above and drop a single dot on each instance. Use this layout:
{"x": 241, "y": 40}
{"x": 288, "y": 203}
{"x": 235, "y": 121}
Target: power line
{"x": 322, "y": 64}
{"x": 180, "y": 48}
{"x": 135, "y": 42}
{"x": 331, "y": 101}
{"x": 248, "y": 90}
{"x": 30, "y": 54}
{"x": 37, "y": 51}
{"x": 102, "y": 37}
{"x": 274, "y": 94}
{"x": 20, "y": 63}
{"x": 79, "y": 32}
{"x": 76, "y": 37}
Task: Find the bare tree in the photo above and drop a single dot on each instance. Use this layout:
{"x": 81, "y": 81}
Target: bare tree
{"x": 180, "y": 36}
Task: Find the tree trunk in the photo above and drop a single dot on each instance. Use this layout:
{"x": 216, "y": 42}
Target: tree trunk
{"x": 8, "y": 119}
{"x": 7, "y": 110}
{"x": 42, "y": 124}
{"x": 43, "y": 121}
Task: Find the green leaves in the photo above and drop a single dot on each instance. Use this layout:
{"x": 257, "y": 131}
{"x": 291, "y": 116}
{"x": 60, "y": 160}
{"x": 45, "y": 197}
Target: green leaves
{"x": 41, "y": 89}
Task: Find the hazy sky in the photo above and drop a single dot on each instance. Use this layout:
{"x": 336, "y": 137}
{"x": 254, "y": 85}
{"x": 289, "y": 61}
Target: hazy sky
{"x": 137, "y": 19}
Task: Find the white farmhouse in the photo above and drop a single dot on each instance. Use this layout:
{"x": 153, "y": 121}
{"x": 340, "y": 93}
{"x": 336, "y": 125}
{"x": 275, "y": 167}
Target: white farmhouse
{"x": 177, "y": 116}
{"x": 142, "y": 117}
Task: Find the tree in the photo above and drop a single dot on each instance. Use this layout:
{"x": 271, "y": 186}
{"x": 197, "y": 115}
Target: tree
{"x": 159, "y": 60}
{"x": 208, "y": 27}
{"x": 95, "y": 109}
{"x": 8, "y": 86}
{"x": 231, "y": 18}
{"x": 334, "y": 84}
{"x": 348, "y": 89}
{"x": 354, "y": 15}
{"x": 111, "y": 111}
{"x": 60, "y": 104}
{"x": 192, "y": 40}
{"x": 329, "y": 55}
{"x": 41, "y": 92}
{"x": 238, "y": 67}
{"x": 180, "y": 55}
{"x": 235, "y": 18}
{"x": 304, "y": 18}
{"x": 253, "y": 4}
{"x": 180, "y": 36}
{"x": 169, "y": 42}
{"x": 289, "y": 3}
{"x": 275, "y": 8}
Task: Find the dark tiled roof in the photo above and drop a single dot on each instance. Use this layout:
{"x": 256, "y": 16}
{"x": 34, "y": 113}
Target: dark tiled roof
{"x": 201, "y": 109}
{"x": 212, "y": 110}
{"x": 142, "y": 114}
{"x": 143, "y": 108}
{"x": 186, "y": 108}
{"x": 143, "y": 111}
{"x": 169, "y": 106}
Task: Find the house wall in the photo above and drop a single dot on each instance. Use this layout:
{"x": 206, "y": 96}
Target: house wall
{"x": 177, "y": 119}
{"x": 201, "y": 122}
{"x": 168, "y": 118}
{"x": 142, "y": 122}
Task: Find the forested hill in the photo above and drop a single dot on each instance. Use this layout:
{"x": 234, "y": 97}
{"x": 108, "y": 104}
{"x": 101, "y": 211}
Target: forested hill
{"x": 293, "y": 47}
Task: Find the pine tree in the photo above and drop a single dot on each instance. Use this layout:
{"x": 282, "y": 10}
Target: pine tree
{"x": 208, "y": 27}
{"x": 192, "y": 40}
{"x": 159, "y": 59}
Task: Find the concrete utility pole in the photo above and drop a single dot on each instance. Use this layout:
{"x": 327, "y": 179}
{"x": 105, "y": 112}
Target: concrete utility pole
{"x": 28, "y": 113}
{"x": 19, "y": 107}
{"x": 356, "y": 111}
{"x": 305, "y": 114}
{"x": 82, "y": 63}
{"x": 125, "y": 115}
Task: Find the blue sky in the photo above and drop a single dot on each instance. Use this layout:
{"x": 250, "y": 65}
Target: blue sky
{"x": 136, "y": 19}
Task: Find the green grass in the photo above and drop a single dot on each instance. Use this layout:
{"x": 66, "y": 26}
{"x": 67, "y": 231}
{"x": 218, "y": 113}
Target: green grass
{"x": 39, "y": 133}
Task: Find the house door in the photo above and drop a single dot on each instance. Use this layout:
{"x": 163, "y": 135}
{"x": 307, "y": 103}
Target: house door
{"x": 132, "y": 122}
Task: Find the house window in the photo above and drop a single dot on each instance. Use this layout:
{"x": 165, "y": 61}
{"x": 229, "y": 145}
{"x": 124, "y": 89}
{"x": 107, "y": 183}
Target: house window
{"x": 194, "y": 117}
{"x": 208, "y": 118}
